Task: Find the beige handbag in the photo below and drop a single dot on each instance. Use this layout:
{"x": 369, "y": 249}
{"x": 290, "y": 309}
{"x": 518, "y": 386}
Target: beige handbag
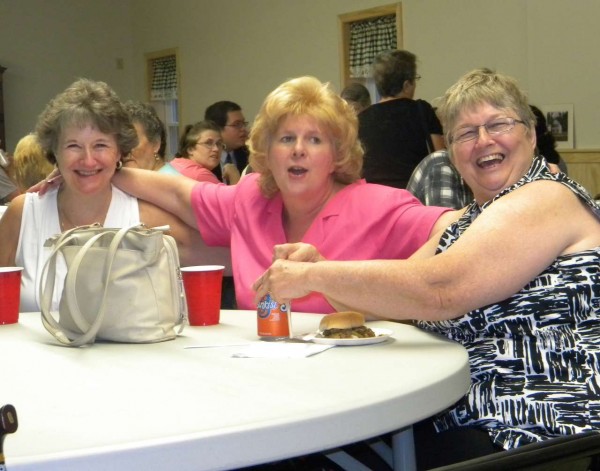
{"x": 122, "y": 285}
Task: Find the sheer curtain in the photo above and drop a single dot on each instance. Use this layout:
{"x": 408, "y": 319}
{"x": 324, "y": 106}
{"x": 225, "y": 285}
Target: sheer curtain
{"x": 367, "y": 39}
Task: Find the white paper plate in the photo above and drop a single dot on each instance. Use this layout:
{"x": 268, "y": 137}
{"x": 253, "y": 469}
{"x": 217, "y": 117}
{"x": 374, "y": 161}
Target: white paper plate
{"x": 381, "y": 335}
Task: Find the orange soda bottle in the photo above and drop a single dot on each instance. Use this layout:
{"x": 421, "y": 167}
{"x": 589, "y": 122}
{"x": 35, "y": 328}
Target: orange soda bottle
{"x": 273, "y": 319}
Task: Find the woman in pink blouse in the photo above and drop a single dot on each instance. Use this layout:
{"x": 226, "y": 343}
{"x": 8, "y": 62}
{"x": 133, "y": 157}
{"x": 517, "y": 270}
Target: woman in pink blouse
{"x": 199, "y": 152}
{"x": 306, "y": 187}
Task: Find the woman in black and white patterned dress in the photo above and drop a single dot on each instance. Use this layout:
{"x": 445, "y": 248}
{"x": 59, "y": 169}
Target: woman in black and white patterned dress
{"x": 516, "y": 279}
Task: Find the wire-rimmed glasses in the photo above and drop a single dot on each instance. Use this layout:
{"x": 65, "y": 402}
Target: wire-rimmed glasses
{"x": 497, "y": 126}
{"x": 239, "y": 125}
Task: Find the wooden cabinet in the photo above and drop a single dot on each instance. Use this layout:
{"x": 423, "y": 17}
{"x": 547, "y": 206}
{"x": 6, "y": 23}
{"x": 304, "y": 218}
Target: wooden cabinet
{"x": 3, "y": 144}
{"x": 584, "y": 167}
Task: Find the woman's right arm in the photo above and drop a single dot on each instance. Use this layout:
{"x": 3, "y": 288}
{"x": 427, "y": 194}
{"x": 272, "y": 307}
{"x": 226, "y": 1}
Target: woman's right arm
{"x": 10, "y": 228}
{"x": 172, "y": 193}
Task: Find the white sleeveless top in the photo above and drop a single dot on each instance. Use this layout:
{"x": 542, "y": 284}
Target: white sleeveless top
{"x": 39, "y": 222}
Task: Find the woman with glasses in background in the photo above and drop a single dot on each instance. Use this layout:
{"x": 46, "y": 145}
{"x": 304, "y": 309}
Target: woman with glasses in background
{"x": 516, "y": 280}
{"x": 200, "y": 152}
{"x": 398, "y": 131}
{"x": 234, "y": 131}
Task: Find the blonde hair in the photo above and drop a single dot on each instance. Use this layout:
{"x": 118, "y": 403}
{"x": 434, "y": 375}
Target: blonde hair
{"x": 30, "y": 165}
{"x": 300, "y": 97}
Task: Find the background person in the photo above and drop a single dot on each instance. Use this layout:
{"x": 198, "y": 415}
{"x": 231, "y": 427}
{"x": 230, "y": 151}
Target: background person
{"x": 545, "y": 140}
{"x": 436, "y": 182}
{"x": 234, "y": 131}
{"x": 306, "y": 188}
{"x": 8, "y": 188}
{"x": 29, "y": 164}
{"x": 525, "y": 305}
{"x": 200, "y": 149}
{"x": 85, "y": 131}
{"x": 399, "y": 131}
{"x": 357, "y": 95}
{"x": 149, "y": 153}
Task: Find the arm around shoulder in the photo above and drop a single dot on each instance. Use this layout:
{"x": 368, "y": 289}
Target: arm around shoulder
{"x": 172, "y": 193}
{"x": 506, "y": 247}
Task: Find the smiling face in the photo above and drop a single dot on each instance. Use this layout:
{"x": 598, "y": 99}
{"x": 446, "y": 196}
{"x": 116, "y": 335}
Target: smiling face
{"x": 207, "y": 151}
{"x": 87, "y": 159}
{"x": 491, "y": 162}
{"x": 302, "y": 158}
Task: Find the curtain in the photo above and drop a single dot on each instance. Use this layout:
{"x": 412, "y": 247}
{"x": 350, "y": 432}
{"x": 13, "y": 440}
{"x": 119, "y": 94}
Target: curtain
{"x": 367, "y": 39}
{"x": 164, "y": 79}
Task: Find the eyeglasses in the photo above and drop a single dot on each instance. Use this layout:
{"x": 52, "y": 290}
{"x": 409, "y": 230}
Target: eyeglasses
{"x": 417, "y": 77}
{"x": 210, "y": 144}
{"x": 498, "y": 126}
{"x": 239, "y": 125}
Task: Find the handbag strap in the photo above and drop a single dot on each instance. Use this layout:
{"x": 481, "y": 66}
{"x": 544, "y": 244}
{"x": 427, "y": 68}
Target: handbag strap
{"x": 90, "y": 330}
{"x": 47, "y": 281}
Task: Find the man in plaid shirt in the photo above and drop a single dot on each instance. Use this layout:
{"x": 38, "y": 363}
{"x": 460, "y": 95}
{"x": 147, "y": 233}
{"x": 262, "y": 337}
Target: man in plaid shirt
{"x": 435, "y": 182}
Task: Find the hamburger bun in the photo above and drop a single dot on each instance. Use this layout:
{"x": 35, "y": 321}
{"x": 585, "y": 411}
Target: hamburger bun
{"x": 342, "y": 320}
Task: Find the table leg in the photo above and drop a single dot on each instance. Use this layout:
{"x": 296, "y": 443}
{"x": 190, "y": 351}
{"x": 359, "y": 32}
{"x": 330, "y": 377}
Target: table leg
{"x": 403, "y": 446}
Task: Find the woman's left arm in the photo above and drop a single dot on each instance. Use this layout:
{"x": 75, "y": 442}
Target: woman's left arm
{"x": 510, "y": 243}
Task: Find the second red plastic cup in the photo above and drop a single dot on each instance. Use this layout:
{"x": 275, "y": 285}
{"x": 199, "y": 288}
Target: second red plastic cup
{"x": 202, "y": 285}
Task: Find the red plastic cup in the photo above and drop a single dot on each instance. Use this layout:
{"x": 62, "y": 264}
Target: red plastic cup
{"x": 10, "y": 294}
{"x": 203, "y": 293}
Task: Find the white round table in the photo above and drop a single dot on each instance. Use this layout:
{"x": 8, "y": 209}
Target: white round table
{"x": 161, "y": 406}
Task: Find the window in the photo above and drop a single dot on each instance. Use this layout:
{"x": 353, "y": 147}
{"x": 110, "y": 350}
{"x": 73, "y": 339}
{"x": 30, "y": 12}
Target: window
{"x": 364, "y": 34}
{"x": 164, "y": 92}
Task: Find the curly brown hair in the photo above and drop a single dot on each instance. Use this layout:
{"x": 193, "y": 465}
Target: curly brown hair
{"x": 85, "y": 102}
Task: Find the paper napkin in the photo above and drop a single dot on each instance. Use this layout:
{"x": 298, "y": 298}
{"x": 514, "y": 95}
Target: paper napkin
{"x": 280, "y": 350}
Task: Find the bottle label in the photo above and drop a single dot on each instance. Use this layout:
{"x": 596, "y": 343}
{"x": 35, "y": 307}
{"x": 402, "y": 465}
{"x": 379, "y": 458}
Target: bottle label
{"x": 272, "y": 318}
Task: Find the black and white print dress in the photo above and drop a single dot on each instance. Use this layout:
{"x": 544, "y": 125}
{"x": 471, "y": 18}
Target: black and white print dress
{"x": 534, "y": 357}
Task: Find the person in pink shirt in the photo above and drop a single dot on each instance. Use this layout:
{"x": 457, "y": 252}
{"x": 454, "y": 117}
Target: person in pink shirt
{"x": 306, "y": 187}
{"x": 199, "y": 152}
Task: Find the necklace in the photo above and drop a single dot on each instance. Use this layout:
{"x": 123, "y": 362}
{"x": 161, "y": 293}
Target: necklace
{"x": 65, "y": 222}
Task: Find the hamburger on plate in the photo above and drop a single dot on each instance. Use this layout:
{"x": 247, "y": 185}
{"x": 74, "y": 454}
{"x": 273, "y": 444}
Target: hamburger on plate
{"x": 345, "y": 325}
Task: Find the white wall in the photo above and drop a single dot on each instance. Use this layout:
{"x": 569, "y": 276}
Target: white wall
{"x": 241, "y": 49}
{"x": 550, "y": 46}
{"x": 47, "y": 44}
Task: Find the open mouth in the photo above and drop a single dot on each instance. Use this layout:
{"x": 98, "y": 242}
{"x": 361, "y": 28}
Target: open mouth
{"x": 490, "y": 160}
{"x": 297, "y": 171}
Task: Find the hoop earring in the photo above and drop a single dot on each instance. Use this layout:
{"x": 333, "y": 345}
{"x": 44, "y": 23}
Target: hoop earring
{"x": 156, "y": 156}
{"x": 119, "y": 165}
